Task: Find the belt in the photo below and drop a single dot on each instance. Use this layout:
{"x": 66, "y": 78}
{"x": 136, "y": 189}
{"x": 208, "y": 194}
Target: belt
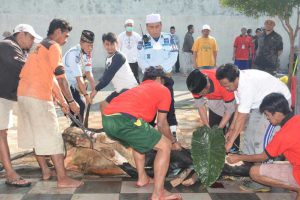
{"x": 130, "y": 116}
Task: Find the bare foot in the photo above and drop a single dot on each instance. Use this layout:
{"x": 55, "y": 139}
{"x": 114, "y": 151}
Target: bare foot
{"x": 165, "y": 195}
{"x": 48, "y": 175}
{"x": 144, "y": 181}
{"x": 69, "y": 183}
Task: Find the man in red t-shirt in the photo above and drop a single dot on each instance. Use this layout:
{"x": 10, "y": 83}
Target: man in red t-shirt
{"x": 126, "y": 119}
{"x": 206, "y": 88}
{"x": 286, "y": 141}
{"x": 242, "y": 50}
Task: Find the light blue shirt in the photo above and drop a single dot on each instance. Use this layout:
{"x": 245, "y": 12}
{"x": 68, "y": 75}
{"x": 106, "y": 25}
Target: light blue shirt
{"x": 76, "y": 63}
{"x": 164, "y": 52}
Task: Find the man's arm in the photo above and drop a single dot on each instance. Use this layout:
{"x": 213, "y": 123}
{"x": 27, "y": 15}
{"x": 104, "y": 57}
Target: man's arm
{"x": 229, "y": 110}
{"x": 82, "y": 88}
{"x": 234, "y": 158}
{"x": 142, "y": 58}
{"x": 163, "y": 128}
{"x": 215, "y": 57}
{"x": 233, "y": 54}
{"x": 203, "y": 115}
{"x": 235, "y": 129}
{"x": 195, "y": 59}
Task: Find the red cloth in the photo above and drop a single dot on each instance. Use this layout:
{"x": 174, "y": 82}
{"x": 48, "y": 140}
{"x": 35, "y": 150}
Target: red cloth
{"x": 243, "y": 45}
{"x": 287, "y": 142}
{"x": 219, "y": 93}
{"x": 142, "y": 101}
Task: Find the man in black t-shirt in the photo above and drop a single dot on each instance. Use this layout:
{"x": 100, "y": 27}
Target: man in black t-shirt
{"x": 12, "y": 58}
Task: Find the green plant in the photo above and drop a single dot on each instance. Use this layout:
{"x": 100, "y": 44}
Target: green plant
{"x": 208, "y": 153}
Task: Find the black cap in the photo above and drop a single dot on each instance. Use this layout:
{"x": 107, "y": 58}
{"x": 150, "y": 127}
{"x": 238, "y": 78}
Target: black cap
{"x": 196, "y": 81}
{"x": 87, "y": 36}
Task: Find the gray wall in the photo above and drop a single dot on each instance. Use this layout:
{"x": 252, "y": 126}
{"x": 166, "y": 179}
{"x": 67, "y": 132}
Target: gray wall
{"x": 102, "y": 16}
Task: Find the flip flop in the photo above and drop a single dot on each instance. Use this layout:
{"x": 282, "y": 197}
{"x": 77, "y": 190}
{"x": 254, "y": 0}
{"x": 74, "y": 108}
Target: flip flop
{"x": 144, "y": 185}
{"x": 16, "y": 183}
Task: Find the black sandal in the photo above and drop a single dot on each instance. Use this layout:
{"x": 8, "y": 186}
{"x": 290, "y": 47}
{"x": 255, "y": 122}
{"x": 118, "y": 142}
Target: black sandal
{"x": 16, "y": 183}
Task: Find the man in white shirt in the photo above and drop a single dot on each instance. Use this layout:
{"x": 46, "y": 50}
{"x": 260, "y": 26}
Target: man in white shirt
{"x": 128, "y": 42}
{"x": 250, "y": 87}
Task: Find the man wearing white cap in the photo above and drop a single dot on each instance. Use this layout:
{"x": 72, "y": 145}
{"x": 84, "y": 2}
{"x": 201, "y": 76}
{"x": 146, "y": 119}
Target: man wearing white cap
{"x": 205, "y": 50}
{"x": 12, "y": 59}
{"x": 128, "y": 42}
{"x": 159, "y": 49}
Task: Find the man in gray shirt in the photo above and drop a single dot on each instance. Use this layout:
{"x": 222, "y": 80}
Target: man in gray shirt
{"x": 187, "y": 50}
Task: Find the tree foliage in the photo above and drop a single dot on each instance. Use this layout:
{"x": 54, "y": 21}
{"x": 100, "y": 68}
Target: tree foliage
{"x": 255, "y": 8}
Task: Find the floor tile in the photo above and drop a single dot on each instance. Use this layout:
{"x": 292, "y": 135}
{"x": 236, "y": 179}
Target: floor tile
{"x": 107, "y": 187}
{"x": 229, "y": 187}
{"x": 277, "y": 196}
{"x": 47, "y": 197}
{"x": 95, "y": 196}
{"x": 50, "y": 187}
{"x": 129, "y": 187}
{"x": 5, "y": 189}
{"x": 233, "y": 196}
{"x": 11, "y": 196}
{"x": 196, "y": 196}
{"x": 196, "y": 188}
{"x": 133, "y": 196}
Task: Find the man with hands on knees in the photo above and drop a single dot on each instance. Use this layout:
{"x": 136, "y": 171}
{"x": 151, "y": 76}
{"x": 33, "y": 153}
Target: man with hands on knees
{"x": 286, "y": 141}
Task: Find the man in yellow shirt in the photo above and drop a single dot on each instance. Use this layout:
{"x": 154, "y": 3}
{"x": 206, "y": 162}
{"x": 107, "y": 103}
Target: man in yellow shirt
{"x": 205, "y": 50}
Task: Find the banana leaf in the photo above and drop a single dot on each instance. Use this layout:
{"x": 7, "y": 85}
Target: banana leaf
{"x": 208, "y": 153}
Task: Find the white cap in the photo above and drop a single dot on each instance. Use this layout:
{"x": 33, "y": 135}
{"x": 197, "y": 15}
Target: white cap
{"x": 153, "y": 18}
{"x": 129, "y": 21}
{"x": 206, "y": 26}
{"x": 29, "y": 29}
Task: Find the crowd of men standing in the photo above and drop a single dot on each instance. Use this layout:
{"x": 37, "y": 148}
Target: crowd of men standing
{"x": 34, "y": 79}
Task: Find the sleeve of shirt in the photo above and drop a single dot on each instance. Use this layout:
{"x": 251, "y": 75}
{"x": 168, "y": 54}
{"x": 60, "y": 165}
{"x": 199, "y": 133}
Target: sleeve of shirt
{"x": 171, "y": 58}
{"x": 56, "y": 60}
{"x": 235, "y": 44}
{"x": 245, "y": 99}
{"x": 89, "y": 64}
{"x": 13, "y": 55}
{"x": 117, "y": 61}
{"x": 165, "y": 100}
{"x": 195, "y": 46}
{"x": 142, "y": 57}
{"x": 73, "y": 64}
{"x": 280, "y": 44}
{"x": 276, "y": 147}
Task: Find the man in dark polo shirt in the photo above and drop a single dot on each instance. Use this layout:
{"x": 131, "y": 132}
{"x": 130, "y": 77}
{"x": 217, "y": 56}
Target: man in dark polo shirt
{"x": 127, "y": 118}
{"x": 270, "y": 47}
{"x": 12, "y": 58}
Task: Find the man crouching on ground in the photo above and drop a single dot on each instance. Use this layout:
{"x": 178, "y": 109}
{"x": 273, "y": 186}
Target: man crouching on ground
{"x": 126, "y": 119}
{"x": 286, "y": 141}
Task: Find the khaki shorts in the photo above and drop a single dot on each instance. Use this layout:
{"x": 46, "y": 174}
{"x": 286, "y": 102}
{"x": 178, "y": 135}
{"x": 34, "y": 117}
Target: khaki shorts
{"x": 281, "y": 172}
{"x": 6, "y": 113}
{"x": 38, "y": 126}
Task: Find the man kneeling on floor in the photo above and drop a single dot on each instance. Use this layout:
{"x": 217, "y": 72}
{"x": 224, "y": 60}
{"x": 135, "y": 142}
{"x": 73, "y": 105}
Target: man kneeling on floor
{"x": 126, "y": 119}
{"x": 286, "y": 142}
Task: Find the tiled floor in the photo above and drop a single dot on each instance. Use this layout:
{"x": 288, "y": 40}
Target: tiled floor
{"x": 100, "y": 188}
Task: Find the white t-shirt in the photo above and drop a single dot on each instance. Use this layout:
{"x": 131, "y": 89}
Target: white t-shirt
{"x": 254, "y": 85}
{"x": 128, "y": 45}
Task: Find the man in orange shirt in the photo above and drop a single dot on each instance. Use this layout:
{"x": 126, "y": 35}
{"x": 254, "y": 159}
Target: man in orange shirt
{"x": 286, "y": 141}
{"x": 39, "y": 83}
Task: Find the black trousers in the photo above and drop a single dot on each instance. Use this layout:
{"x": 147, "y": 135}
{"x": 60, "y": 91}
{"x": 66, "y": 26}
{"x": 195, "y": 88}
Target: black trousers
{"x": 177, "y": 65}
{"x": 135, "y": 70}
{"x": 169, "y": 83}
{"x": 78, "y": 99}
{"x": 215, "y": 119}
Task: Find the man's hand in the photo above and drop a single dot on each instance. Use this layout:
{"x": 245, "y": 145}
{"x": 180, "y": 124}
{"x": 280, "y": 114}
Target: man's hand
{"x": 65, "y": 108}
{"x": 93, "y": 94}
{"x": 88, "y": 100}
{"x": 176, "y": 146}
{"x": 74, "y": 107}
{"x": 233, "y": 158}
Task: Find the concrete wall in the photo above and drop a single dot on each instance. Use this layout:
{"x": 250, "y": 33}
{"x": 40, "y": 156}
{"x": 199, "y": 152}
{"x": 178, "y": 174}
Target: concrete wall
{"x": 102, "y": 16}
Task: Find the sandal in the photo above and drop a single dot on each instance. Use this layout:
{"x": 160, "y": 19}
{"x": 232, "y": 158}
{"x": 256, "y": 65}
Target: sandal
{"x": 16, "y": 182}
